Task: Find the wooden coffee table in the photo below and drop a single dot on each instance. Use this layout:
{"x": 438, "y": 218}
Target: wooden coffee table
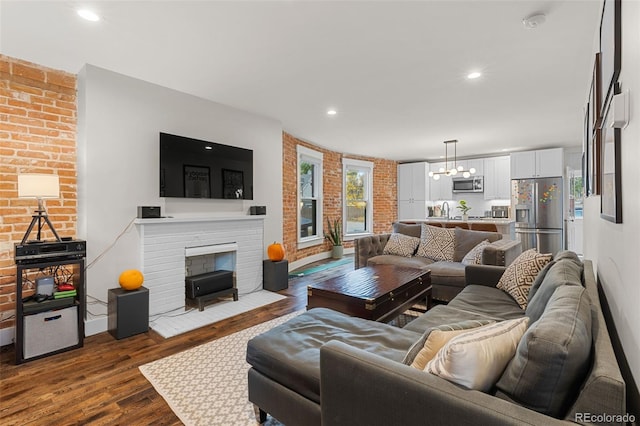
{"x": 378, "y": 292}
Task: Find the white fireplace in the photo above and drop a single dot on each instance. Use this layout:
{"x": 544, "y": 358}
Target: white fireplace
{"x": 235, "y": 242}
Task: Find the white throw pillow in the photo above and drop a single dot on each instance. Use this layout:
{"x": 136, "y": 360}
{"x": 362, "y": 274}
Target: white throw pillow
{"x": 474, "y": 257}
{"x": 439, "y": 336}
{"x": 436, "y": 243}
{"x": 477, "y": 358}
{"x": 401, "y": 245}
{"x": 521, "y": 273}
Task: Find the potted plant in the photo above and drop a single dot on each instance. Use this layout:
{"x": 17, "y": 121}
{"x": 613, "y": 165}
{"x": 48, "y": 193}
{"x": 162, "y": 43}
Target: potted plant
{"x": 334, "y": 236}
{"x": 464, "y": 209}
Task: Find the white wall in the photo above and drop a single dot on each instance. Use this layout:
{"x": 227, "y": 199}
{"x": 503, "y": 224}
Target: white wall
{"x": 119, "y": 119}
{"x": 615, "y": 248}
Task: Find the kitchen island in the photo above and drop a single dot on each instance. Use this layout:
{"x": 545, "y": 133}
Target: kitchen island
{"x": 503, "y": 226}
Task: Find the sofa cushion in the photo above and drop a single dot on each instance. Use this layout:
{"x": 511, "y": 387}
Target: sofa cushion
{"x": 563, "y": 271}
{"x": 475, "y": 302}
{"x": 411, "y": 230}
{"x": 519, "y": 276}
{"x": 447, "y": 273}
{"x": 436, "y": 243}
{"x": 435, "y": 338}
{"x": 474, "y": 257}
{"x": 391, "y": 259}
{"x": 465, "y": 240}
{"x": 477, "y": 358}
{"x": 290, "y": 353}
{"x": 553, "y": 356}
{"x": 401, "y": 245}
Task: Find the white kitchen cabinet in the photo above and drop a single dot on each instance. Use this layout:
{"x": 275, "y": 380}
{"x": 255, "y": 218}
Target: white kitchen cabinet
{"x": 497, "y": 178}
{"x": 440, "y": 189}
{"x": 477, "y": 164}
{"x": 413, "y": 190}
{"x": 534, "y": 164}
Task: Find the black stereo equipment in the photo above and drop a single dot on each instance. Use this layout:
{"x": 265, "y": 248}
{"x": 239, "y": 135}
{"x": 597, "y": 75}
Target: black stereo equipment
{"x": 210, "y": 282}
{"x": 50, "y": 251}
{"x": 258, "y": 210}
{"x": 148, "y": 212}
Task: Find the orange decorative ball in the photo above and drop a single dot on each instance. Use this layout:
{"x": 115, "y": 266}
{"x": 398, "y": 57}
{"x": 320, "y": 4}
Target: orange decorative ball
{"x": 275, "y": 252}
{"x": 131, "y": 279}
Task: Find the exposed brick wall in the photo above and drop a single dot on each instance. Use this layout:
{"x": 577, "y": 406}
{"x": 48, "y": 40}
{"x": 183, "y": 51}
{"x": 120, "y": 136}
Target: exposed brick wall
{"x": 37, "y": 135}
{"x": 384, "y": 194}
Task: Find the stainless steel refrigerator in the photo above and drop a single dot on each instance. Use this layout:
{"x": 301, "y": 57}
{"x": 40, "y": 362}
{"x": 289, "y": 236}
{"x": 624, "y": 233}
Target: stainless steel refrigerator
{"x": 537, "y": 204}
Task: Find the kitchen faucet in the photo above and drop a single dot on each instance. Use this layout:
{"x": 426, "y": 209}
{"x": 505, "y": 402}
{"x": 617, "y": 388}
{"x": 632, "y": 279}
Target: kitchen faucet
{"x": 445, "y": 204}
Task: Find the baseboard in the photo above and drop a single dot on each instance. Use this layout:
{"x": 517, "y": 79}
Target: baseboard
{"x": 633, "y": 394}
{"x": 7, "y": 335}
{"x": 315, "y": 258}
{"x": 95, "y": 326}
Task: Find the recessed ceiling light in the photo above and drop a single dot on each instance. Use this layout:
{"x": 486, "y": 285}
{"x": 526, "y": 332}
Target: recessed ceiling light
{"x": 208, "y": 147}
{"x": 332, "y": 112}
{"x": 88, "y": 15}
{"x": 473, "y": 75}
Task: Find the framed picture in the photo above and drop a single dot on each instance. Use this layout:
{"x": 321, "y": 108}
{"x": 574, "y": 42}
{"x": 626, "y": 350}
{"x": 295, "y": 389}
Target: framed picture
{"x": 232, "y": 184}
{"x": 610, "y": 50}
{"x": 593, "y": 142}
{"x": 197, "y": 182}
{"x": 586, "y": 147}
{"x": 611, "y": 193}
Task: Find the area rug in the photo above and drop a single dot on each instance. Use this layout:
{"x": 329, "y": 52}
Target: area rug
{"x": 172, "y": 324}
{"x": 207, "y": 385}
{"x": 322, "y": 267}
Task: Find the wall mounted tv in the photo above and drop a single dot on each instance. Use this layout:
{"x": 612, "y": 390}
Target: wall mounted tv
{"x": 192, "y": 168}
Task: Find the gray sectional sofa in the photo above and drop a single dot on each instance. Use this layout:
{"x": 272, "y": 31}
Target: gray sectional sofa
{"x": 324, "y": 367}
{"x": 447, "y": 277}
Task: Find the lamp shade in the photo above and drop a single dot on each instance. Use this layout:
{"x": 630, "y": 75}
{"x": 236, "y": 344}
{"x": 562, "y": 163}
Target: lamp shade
{"x": 38, "y": 185}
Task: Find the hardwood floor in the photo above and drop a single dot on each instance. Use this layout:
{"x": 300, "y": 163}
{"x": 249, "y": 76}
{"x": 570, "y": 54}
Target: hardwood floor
{"x": 100, "y": 384}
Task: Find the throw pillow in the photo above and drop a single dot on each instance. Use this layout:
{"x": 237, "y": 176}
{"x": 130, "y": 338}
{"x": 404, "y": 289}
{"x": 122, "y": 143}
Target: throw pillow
{"x": 435, "y": 338}
{"x": 474, "y": 257}
{"x": 467, "y": 239}
{"x": 522, "y": 272}
{"x": 401, "y": 245}
{"x": 553, "y": 357}
{"x": 477, "y": 358}
{"x": 436, "y": 243}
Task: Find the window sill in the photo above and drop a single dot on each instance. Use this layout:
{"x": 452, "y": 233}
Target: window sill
{"x": 310, "y": 243}
{"x": 352, "y": 237}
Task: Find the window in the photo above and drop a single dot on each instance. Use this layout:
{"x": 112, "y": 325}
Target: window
{"x": 309, "y": 197}
{"x": 358, "y": 199}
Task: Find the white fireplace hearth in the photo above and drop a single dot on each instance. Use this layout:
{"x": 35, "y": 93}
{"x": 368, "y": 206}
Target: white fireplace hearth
{"x": 233, "y": 243}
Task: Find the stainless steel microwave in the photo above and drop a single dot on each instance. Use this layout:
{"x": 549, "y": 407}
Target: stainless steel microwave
{"x": 470, "y": 184}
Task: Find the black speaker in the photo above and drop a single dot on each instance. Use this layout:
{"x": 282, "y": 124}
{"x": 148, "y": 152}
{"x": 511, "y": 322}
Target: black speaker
{"x": 199, "y": 285}
{"x": 258, "y": 210}
{"x": 148, "y": 212}
{"x": 128, "y": 312}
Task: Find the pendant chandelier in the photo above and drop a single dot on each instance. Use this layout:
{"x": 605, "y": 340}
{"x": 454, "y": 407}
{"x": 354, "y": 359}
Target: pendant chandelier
{"x": 455, "y": 169}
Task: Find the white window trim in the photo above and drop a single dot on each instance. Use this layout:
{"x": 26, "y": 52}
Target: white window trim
{"x": 368, "y": 165}
{"x": 316, "y": 239}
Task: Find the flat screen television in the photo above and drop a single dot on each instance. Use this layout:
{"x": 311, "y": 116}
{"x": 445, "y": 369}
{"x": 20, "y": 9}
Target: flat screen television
{"x": 192, "y": 168}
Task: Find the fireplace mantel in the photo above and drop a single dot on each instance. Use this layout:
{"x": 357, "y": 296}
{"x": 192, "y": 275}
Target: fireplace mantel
{"x": 180, "y": 219}
{"x": 163, "y": 246}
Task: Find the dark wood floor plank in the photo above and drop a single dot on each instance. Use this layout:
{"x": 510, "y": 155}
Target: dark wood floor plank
{"x": 100, "y": 384}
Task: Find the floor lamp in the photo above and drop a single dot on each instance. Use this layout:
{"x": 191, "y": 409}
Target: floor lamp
{"x": 39, "y": 186}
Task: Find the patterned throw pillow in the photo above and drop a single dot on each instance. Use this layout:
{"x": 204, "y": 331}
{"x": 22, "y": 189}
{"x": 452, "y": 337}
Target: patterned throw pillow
{"x": 474, "y": 257}
{"x": 401, "y": 245}
{"x": 522, "y": 272}
{"x": 436, "y": 243}
{"x": 477, "y": 358}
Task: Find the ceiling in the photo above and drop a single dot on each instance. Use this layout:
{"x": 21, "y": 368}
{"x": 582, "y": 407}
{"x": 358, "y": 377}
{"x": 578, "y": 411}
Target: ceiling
{"x": 394, "y": 71}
